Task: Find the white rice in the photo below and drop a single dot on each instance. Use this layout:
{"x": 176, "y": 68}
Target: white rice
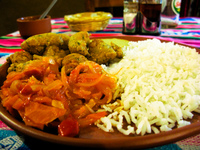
{"x": 159, "y": 87}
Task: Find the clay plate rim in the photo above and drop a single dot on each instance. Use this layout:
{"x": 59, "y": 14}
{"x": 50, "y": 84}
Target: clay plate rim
{"x": 146, "y": 141}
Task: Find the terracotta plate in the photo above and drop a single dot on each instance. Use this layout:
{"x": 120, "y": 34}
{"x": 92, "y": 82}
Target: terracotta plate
{"x": 94, "y": 137}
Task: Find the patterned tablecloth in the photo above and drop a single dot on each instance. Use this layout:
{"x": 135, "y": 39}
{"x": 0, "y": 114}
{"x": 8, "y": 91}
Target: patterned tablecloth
{"x": 187, "y": 32}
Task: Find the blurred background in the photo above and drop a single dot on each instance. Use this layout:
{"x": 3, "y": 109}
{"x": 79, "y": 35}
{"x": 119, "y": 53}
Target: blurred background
{"x": 10, "y": 10}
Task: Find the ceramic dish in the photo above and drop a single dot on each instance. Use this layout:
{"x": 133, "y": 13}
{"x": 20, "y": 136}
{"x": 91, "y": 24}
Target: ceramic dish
{"x": 88, "y": 21}
{"x": 94, "y": 137}
{"x": 32, "y": 25}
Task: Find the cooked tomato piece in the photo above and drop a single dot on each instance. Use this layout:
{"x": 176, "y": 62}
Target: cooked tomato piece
{"x": 26, "y": 90}
{"x": 91, "y": 118}
{"x": 69, "y": 127}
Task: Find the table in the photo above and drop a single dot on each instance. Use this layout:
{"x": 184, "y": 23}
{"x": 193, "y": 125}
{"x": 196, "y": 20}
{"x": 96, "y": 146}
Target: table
{"x": 187, "y": 32}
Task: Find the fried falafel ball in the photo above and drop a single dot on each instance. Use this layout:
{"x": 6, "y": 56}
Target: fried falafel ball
{"x": 71, "y": 61}
{"x": 65, "y": 41}
{"x": 56, "y": 53}
{"x": 78, "y": 43}
{"x": 18, "y": 67}
{"x": 37, "y": 44}
{"x": 100, "y": 52}
{"x": 18, "y": 59}
{"x": 117, "y": 49}
{"x": 37, "y": 57}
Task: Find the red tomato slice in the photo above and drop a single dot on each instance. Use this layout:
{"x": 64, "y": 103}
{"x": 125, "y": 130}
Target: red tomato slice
{"x": 69, "y": 127}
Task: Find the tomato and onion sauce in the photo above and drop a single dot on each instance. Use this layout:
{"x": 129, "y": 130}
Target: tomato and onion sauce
{"x": 41, "y": 94}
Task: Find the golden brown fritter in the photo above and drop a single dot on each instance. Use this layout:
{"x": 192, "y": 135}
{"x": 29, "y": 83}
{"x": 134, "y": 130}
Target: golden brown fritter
{"x": 20, "y": 57}
{"x": 37, "y": 57}
{"x": 71, "y": 61}
{"x": 36, "y": 44}
{"x": 55, "y": 52}
{"x": 117, "y": 49}
{"x": 18, "y": 60}
{"x": 78, "y": 43}
{"x": 18, "y": 67}
{"x": 65, "y": 41}
{"x": 100, "y": 52}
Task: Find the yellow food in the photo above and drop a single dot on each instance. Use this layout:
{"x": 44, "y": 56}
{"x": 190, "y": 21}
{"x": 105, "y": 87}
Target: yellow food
{"x": 101, "y": 52}
{"x": 78, "y": 43}
{"x": 71, "y": 61}
{"x": 36, "y": 44}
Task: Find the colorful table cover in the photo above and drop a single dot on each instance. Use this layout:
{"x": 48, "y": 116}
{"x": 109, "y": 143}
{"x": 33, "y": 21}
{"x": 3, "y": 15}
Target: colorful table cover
{"x": 187, "y": 32}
